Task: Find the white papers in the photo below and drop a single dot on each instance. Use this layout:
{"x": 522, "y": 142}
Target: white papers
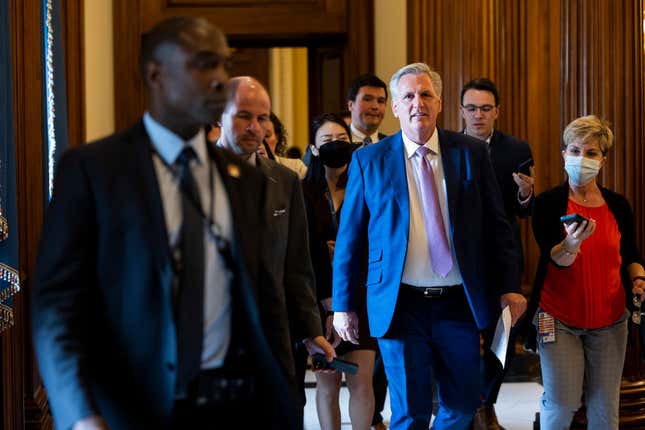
{"x": 502, "y": 333}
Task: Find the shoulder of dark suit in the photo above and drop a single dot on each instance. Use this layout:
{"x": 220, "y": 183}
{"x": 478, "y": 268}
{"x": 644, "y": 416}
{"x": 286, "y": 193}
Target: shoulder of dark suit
{"x": 499, "y": 136}
{"x": 276, "y": 169}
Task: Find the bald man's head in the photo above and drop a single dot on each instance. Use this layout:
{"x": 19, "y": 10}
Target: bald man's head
{"x": 247, "y": 112}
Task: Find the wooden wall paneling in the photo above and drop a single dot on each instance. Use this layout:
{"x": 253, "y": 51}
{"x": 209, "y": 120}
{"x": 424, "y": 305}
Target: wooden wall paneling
{"x": 358, "y": 55}
{"x": 24, "y": 402}
{"x": 603, "y": 75}
{"x": 638, "y": 119}
{"x": 73, "y": 39}
{"x": 542, "y": 102}
{"x": 326, "y": 91}
{"x": 251, "y": 62}
{"x": 464, "y": 40}
{"x": 318, "y": 24}
{"x": 256, "y": 19}
{"x": 129, "y": 96}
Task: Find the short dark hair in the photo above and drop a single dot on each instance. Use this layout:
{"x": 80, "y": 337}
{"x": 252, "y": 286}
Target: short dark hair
{"x": 365, "y": 80}
{"x": 175, "y": 31}
{"x": 482, "y": 84}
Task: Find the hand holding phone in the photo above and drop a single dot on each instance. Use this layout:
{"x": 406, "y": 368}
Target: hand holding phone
{"x": 320, "y": 363}
{"x": 571, "y": 218}
{"x": 525, "y": 166}
{"x": 578, "y": 228}
{"x": 523, "y": 177}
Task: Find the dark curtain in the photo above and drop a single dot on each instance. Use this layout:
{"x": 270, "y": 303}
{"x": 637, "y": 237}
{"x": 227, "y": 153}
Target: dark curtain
{"x": 9, "y": 282}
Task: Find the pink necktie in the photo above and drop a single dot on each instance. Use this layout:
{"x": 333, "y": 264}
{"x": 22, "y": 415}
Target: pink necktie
{"x": 435, "y": 232}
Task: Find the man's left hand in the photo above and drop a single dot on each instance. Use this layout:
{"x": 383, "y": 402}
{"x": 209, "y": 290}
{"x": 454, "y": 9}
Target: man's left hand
{"x": 517, "y": 304}
{"x": 525, "y": 183}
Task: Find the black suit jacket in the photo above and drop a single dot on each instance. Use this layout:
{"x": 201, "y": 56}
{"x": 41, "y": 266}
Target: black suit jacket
{"x": 292, "y": 305}
{"x": 103, "y": 326}
{"x": 506, "y": 153}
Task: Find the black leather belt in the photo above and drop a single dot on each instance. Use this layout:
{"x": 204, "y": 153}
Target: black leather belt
{"x": 220, "y": 387}
{"x": 435, "y": 292}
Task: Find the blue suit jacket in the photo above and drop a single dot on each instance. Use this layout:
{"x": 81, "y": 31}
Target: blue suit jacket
{"x": 376, "y": 211}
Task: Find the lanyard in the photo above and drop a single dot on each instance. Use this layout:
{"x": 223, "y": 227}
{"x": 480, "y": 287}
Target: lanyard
{"x": 214, "y": 230}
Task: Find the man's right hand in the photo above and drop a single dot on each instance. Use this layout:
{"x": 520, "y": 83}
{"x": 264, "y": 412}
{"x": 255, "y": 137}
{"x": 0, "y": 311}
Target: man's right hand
{"x": 346, "y": 325}
{"x": 93, "y": 422}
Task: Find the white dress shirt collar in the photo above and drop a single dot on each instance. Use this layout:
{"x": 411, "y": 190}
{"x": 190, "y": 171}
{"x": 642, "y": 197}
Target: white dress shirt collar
{"x": 411, "y": 147}
{"x": 168, "y": 145}
{"x": 360, "y": 136}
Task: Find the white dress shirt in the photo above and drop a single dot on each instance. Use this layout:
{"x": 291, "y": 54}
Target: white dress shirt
{"x": 417, "y": 269}
{"x": 217, "y": 278}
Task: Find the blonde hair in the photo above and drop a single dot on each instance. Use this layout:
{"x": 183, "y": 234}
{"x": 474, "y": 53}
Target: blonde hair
{"x": 586, "y": 128}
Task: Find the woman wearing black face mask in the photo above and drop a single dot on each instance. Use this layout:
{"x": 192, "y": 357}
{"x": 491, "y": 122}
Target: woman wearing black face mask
{"x": 324, "y": 191}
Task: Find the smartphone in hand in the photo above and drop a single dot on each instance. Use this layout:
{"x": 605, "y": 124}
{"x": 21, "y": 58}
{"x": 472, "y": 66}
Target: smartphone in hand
{"x": 571, "y": 218}
{"x": 320, "y": 362}
{"x": 525, "y": 166}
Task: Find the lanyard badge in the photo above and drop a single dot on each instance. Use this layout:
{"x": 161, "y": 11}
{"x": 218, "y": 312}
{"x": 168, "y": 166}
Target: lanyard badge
{"x": 546, "y": 327}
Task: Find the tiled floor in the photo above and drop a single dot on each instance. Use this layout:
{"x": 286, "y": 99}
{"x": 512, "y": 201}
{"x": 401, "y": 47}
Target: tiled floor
{"x": 516, "y": 406}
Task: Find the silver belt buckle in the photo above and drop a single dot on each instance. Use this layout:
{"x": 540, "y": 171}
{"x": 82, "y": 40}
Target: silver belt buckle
{"x": 432, "y": 292}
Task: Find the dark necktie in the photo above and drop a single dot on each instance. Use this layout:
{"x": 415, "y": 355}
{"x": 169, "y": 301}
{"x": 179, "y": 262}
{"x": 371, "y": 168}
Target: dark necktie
{"x": 190, "y": 306}
{"x": 367, "y": 141}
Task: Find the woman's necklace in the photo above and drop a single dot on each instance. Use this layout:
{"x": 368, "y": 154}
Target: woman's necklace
{"x": 584, "y": 197}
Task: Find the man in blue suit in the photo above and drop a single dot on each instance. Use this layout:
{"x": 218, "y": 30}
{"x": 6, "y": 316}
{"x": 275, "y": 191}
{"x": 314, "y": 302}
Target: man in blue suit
{"x": 442, "y": 261}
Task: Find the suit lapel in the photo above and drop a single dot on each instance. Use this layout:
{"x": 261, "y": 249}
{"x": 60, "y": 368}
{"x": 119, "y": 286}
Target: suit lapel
{"x": 230, "y": 172}
{"x": 395, "y": 162}
{"x": 451, "y": 158}
{"x": 152, "y": 196}
{"x": 265, "y": 168}
{"x": 494, "y": 145}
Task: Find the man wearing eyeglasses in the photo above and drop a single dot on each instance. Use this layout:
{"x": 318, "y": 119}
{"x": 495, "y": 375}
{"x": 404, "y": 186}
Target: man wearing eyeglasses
{"x": 512, "y": 162}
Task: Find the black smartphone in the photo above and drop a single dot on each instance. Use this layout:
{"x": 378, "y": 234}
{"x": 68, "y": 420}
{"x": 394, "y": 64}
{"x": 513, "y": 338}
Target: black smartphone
{"x": 320, "y": 362}
{"x": 525, "y": 166}
{"x": 571, "y": 218}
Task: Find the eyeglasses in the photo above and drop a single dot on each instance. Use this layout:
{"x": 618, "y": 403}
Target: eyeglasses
{"x": 473, "y": 108}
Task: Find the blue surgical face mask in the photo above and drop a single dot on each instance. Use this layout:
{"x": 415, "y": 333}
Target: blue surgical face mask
{"x": 581, "y": 170}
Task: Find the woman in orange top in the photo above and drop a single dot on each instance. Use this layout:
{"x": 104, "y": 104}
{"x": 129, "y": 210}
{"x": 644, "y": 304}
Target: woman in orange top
{"x": 588, "y": 273}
